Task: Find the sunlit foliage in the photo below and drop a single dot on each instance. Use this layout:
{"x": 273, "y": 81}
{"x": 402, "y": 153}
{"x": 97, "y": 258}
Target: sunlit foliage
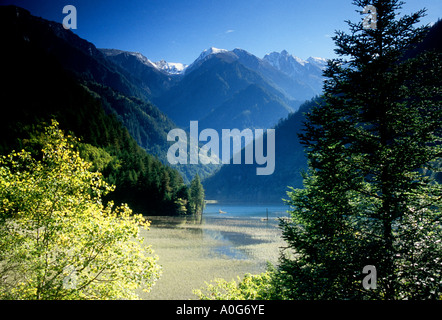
{"x": 57, "y": 239}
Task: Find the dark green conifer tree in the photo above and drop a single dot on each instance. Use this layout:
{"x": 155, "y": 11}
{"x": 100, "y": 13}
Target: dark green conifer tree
{"x": 196, "y": 195}
{"x": 368, "y": 197}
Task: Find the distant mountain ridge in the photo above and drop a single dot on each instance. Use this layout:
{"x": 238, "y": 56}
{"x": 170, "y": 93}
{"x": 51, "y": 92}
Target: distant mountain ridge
{"x": 309, "y": 70}
{"x": 210, "y": 89}
{"x": 221, "y": 88}
{"x": 208, "y": 53}
{"x": 170, "y": 68}
{"x": 240, "y": 184}
{"x": 217, "y": 79}
{"x": 174, "y": 68}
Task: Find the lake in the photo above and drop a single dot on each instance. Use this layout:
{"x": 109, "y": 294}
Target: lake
{"x": 197, "y": 249}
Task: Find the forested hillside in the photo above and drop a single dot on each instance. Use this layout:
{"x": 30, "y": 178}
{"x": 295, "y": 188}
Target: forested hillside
{"x": 39, "y": 88}
{"x": 239, "y": 183}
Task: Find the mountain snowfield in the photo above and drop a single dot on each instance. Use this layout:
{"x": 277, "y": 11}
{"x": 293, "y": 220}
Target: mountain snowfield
{"x": 208, "y": 52}
{"x": 139, "y": 56}
{"x": 167, "y": 67}
{"x": 285, "y": 61}
{"x": 172, "y": 68}
{"x": 310, "y": 70}
{"x": 300, "y": 72}
{"x": 282, "y": 61}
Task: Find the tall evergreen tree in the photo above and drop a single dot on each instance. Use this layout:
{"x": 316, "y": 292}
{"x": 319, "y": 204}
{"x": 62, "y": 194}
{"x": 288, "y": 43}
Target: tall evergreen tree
{"x": 196, "y": 195}
{"x": 368, "y": 198}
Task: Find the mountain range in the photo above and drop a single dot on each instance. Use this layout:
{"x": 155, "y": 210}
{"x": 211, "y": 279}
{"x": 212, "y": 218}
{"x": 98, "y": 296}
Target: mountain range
{"x": 134, "y": 102}
{"x": 222, "y": 85}
{"x": 64, "y": 74}
{"x": 225, "y": 89}
{"x": 239, "y": 183}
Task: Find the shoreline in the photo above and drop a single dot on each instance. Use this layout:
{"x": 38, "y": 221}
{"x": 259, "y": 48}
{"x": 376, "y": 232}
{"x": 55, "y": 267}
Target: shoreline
{"x": 193, "y": 252}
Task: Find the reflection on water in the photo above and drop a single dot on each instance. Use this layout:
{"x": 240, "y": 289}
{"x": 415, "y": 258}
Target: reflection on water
{"x": 234, "y": 230}
{"x": 245, "y": 211}
{"x": 196, "y": 249}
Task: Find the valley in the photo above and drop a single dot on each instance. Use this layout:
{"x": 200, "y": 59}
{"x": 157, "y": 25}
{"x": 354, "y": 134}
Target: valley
{"x": 221, "y": 89}
{"x": 124, "y": 175}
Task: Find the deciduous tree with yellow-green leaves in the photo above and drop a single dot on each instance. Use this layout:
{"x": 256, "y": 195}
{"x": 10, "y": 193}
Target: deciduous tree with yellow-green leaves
{"x": 57, "y": 239}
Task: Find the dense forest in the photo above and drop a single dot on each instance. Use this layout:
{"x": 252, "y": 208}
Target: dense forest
{"x": 39, "y": 89}
{"x": 239, "y": 183}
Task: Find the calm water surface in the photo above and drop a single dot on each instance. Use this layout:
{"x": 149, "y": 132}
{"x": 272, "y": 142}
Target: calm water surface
{"x": 245, "y": 211}
{"x": 193, "y": 250}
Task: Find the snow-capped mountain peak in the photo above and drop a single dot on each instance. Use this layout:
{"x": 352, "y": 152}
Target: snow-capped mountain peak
{"x": 206, "y": 54}
{"x": 293, "y": 65}
{"x": 288, "y": 56}
{"x": 142, "y": 58}
{"x": 278, "y": 60}
{"x": 210, "y": 51}
{"x": 317, "y": 60}
{"x": 137, "y": 55}
{"x": 171, "y": 67}
{"x": 320, "y": 62}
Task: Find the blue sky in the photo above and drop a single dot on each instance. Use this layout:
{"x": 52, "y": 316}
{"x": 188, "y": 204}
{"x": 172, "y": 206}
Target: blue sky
{"x": 179, "y": 30}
